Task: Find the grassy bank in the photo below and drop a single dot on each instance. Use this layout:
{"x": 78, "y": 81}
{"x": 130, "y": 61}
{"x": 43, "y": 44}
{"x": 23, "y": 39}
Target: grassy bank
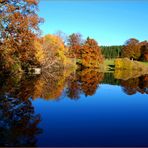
{"x": 127, "y": 64}
{"x": 109, "y": 64}
{"x": 145, "y": 63}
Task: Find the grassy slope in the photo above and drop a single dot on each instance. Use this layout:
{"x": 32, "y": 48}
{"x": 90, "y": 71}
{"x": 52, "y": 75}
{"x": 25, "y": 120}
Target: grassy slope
{"x": 145, "y": 63}
{"x": 109, "y": 64}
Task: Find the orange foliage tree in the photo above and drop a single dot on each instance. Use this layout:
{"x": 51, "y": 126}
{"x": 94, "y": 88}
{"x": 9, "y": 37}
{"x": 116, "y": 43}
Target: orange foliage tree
{"x": 91, "y": 55}
{"x": 74, "y": 43}
{"x": 18, "y": 29}
{"x": 131, "y": 49}
{"x": 144, "y": 52}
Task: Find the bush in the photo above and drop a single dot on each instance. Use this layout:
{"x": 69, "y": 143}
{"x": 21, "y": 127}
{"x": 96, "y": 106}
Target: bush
{"x": 126, "y": 64}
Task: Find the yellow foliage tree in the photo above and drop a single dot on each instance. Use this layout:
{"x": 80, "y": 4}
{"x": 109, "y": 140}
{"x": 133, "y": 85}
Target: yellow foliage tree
{"x": 54, "y": 49}
{"x": 39, "y": 54}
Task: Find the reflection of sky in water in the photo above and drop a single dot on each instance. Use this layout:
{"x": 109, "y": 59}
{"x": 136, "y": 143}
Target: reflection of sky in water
{"x": 108, "y": 118}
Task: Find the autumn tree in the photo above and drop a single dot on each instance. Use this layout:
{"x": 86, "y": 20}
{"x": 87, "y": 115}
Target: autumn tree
{"x": 131, "y": 49}
{"x": 62, "y": 36}
{"x": 144, "y": 52}
{"x": 18, "y": 29}
{"x": 91, "y": 55}
{"x": 75, "y": 42}
{"x": 54, "y": 51}
{"x": 39, "y": 54}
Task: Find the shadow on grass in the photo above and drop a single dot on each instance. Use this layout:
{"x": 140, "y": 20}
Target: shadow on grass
{"x": 111, "y": 67}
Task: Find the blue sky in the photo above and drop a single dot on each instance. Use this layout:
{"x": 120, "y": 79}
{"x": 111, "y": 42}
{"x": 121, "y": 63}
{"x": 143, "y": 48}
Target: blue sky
{"x": 110, "y": 22}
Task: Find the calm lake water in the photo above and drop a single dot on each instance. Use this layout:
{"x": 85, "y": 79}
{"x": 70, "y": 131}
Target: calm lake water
{"x": 86, "y": 108}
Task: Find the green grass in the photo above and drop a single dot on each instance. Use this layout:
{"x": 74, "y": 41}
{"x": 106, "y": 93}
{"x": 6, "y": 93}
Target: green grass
{"x": 109, "y": 64}
{"x": 145, "y": 63}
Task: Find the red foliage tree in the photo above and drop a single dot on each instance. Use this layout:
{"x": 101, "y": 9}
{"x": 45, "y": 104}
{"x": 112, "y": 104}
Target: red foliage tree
{"x": 144, "y": 52}
{"x": 74, "y": 42}
{"x": 131, "y": 49}
{"x": 91, "y": 55}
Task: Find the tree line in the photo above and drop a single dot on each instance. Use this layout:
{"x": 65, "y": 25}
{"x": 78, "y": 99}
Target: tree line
{"x": 136, "y": 50}
{"x": 87, "y": 52}
{"x": 22, "y": 47}
{"x": 132, "y": 49}
{"x": 111, "y": 52}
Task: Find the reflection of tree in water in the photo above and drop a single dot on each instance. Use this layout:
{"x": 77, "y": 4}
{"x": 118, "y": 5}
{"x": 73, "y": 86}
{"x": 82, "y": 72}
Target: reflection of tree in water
{"x": 86, "y": 81}
{"x": 18, "y": 123}
{"x": 18, "y": 86}
{"x": 110, "y": 79}
{"x": 134, "y": 85}
{"x": 73, "y": 88}
{"x": 130, "y": 86}
{"x": 50, "y": 85}
{"x": 143, "y": 84}
{"x": 90, "y": 79}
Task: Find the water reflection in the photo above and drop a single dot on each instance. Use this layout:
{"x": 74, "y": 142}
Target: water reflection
{"x": 90, "y": 81}
{"x": 18, "y": 120}
{"x": 110, "y": 79}
{"x": 58, "y": 84}
{"x": 85, "y": 81}
{"x": 134, "y": 85}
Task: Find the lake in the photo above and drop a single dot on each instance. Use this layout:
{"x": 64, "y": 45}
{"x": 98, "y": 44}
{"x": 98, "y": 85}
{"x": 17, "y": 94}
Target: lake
{"x": 83, "y": 108}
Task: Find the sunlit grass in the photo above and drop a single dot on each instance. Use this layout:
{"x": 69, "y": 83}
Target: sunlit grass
{"x": 108, "y": 64}
{"x": 146, "y": 63}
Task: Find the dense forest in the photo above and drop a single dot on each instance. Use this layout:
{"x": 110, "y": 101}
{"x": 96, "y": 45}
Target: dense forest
{"x": 132, "y": 49}
{"x": 111, "y": 52}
